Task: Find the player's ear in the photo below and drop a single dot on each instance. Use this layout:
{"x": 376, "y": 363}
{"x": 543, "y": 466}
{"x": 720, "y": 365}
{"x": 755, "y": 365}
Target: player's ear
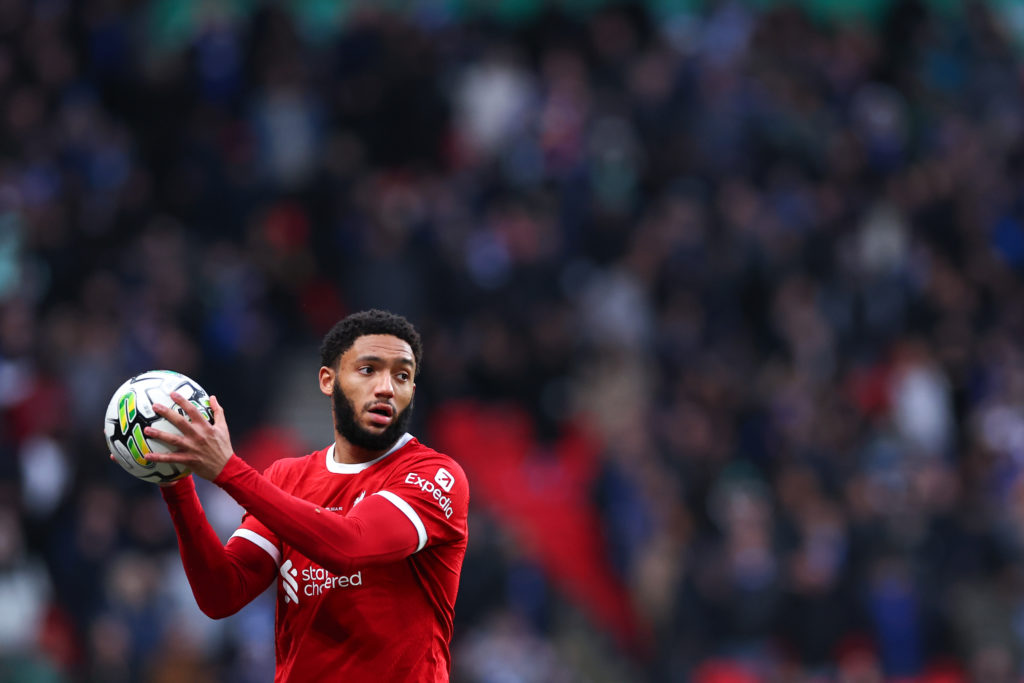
{"x": 326, "y": 380}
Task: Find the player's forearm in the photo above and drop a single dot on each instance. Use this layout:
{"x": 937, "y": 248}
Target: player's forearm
{"x": 335, "y": 542}
{"x": 222, "y": 581}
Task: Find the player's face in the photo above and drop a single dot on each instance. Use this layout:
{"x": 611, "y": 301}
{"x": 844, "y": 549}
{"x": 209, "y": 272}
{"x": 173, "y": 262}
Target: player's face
{"x": 373, "y": 390}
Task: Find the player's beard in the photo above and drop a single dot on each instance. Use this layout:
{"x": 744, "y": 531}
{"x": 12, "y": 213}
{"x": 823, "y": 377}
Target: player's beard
{"x": 347, "y": 425}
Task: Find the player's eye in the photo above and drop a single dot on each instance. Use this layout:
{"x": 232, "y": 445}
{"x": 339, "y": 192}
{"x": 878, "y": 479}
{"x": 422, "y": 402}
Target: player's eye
{"x": 365, "y": 370}
{"x": 403, "y": 376}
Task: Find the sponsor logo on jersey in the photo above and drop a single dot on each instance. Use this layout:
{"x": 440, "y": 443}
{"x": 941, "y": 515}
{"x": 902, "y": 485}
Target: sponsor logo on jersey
{"x": 444, "y": 479}
{"x": 313, "y": 581}
{"x": 289, "y": 582}
{"x": 435, "y": 491}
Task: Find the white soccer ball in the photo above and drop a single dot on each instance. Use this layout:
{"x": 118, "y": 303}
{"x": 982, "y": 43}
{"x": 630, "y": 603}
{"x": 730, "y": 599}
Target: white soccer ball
{"x": 131, "y": 410}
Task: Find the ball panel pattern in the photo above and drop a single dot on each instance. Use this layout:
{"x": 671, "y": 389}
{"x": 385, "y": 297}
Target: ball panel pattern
{"x": 130, "y": 411}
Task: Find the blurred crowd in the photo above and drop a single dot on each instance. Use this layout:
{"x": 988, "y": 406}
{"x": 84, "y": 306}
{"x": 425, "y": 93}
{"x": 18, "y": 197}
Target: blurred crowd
{"x": 771, "y": 266}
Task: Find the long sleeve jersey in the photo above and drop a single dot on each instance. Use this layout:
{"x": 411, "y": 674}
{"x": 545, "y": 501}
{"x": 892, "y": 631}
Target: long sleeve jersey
{"x": 367, "y": 558}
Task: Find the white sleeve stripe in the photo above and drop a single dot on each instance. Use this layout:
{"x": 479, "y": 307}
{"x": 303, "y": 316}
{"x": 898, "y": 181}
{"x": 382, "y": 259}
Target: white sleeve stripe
{"x": 407, "y": 510}
{"x": 253, "y": 537}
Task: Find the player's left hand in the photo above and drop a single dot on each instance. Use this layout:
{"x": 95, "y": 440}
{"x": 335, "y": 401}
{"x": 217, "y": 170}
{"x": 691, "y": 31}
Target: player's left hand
{"x": 203, "y": 447}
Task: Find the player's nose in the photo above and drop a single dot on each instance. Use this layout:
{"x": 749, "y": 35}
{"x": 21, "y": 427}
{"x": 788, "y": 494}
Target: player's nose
{"x": 384, "y": 387}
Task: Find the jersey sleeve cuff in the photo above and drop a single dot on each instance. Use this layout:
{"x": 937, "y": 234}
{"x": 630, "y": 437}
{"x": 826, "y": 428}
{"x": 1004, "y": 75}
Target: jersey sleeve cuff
{"x": 179, "y": 490}
{"x": 406, "y": 509}
{"x": 233, "y": 467}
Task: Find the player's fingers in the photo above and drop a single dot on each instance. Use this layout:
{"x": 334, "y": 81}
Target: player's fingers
{"x": 170, "y": 439}
{"x": 172, "y": 416}
{"x": 189, "y": 407}
{"x": 168, "y": 457}
{"x": 218, "y": 410}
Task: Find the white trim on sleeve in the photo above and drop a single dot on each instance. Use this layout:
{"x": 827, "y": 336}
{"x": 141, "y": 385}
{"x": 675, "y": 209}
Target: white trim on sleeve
{"x": 253, "y": 537}
{"x": 407, "y": 510}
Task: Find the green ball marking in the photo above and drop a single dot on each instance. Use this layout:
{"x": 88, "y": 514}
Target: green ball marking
{"x": 138, "y": 447}
{"x": 126, "y": 410}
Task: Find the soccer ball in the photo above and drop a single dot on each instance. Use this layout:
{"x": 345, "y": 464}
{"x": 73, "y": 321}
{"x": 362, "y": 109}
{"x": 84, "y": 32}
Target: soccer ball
{"x": 131, "y": 410}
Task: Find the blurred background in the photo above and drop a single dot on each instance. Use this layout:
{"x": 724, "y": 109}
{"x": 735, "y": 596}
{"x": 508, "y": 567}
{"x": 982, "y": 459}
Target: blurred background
{"x": 722, "y": 306}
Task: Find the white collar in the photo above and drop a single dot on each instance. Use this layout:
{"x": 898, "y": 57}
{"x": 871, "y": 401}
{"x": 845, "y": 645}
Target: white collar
{"x": 353, "y": 467}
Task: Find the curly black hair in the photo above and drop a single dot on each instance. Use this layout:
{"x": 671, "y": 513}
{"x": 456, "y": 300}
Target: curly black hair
{"x": 374, "y": 321}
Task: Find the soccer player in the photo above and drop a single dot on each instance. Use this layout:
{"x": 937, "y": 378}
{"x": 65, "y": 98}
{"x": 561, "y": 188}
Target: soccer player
{"x": 365, "y": 537}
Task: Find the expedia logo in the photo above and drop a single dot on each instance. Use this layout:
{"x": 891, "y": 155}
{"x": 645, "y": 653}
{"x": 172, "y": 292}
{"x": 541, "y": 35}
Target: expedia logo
{"x": 315, "y": 581}
{"x": 444, "y": 480}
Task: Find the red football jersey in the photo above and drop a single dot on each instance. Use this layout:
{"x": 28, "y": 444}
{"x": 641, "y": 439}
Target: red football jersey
{"x": 383, "y": 622}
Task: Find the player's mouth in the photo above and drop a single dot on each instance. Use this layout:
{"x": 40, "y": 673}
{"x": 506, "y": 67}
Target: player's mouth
{"x": 381, "y": 413}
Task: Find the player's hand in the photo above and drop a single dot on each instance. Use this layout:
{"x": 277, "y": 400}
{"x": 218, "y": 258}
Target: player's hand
{"x": 202, "y": 447}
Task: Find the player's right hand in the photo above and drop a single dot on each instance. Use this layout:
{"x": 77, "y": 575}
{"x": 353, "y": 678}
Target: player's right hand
{"x": 201, "y": 446}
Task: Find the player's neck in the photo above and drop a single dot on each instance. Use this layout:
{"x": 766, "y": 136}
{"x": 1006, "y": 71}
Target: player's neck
{"x": 350, "y": 454}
